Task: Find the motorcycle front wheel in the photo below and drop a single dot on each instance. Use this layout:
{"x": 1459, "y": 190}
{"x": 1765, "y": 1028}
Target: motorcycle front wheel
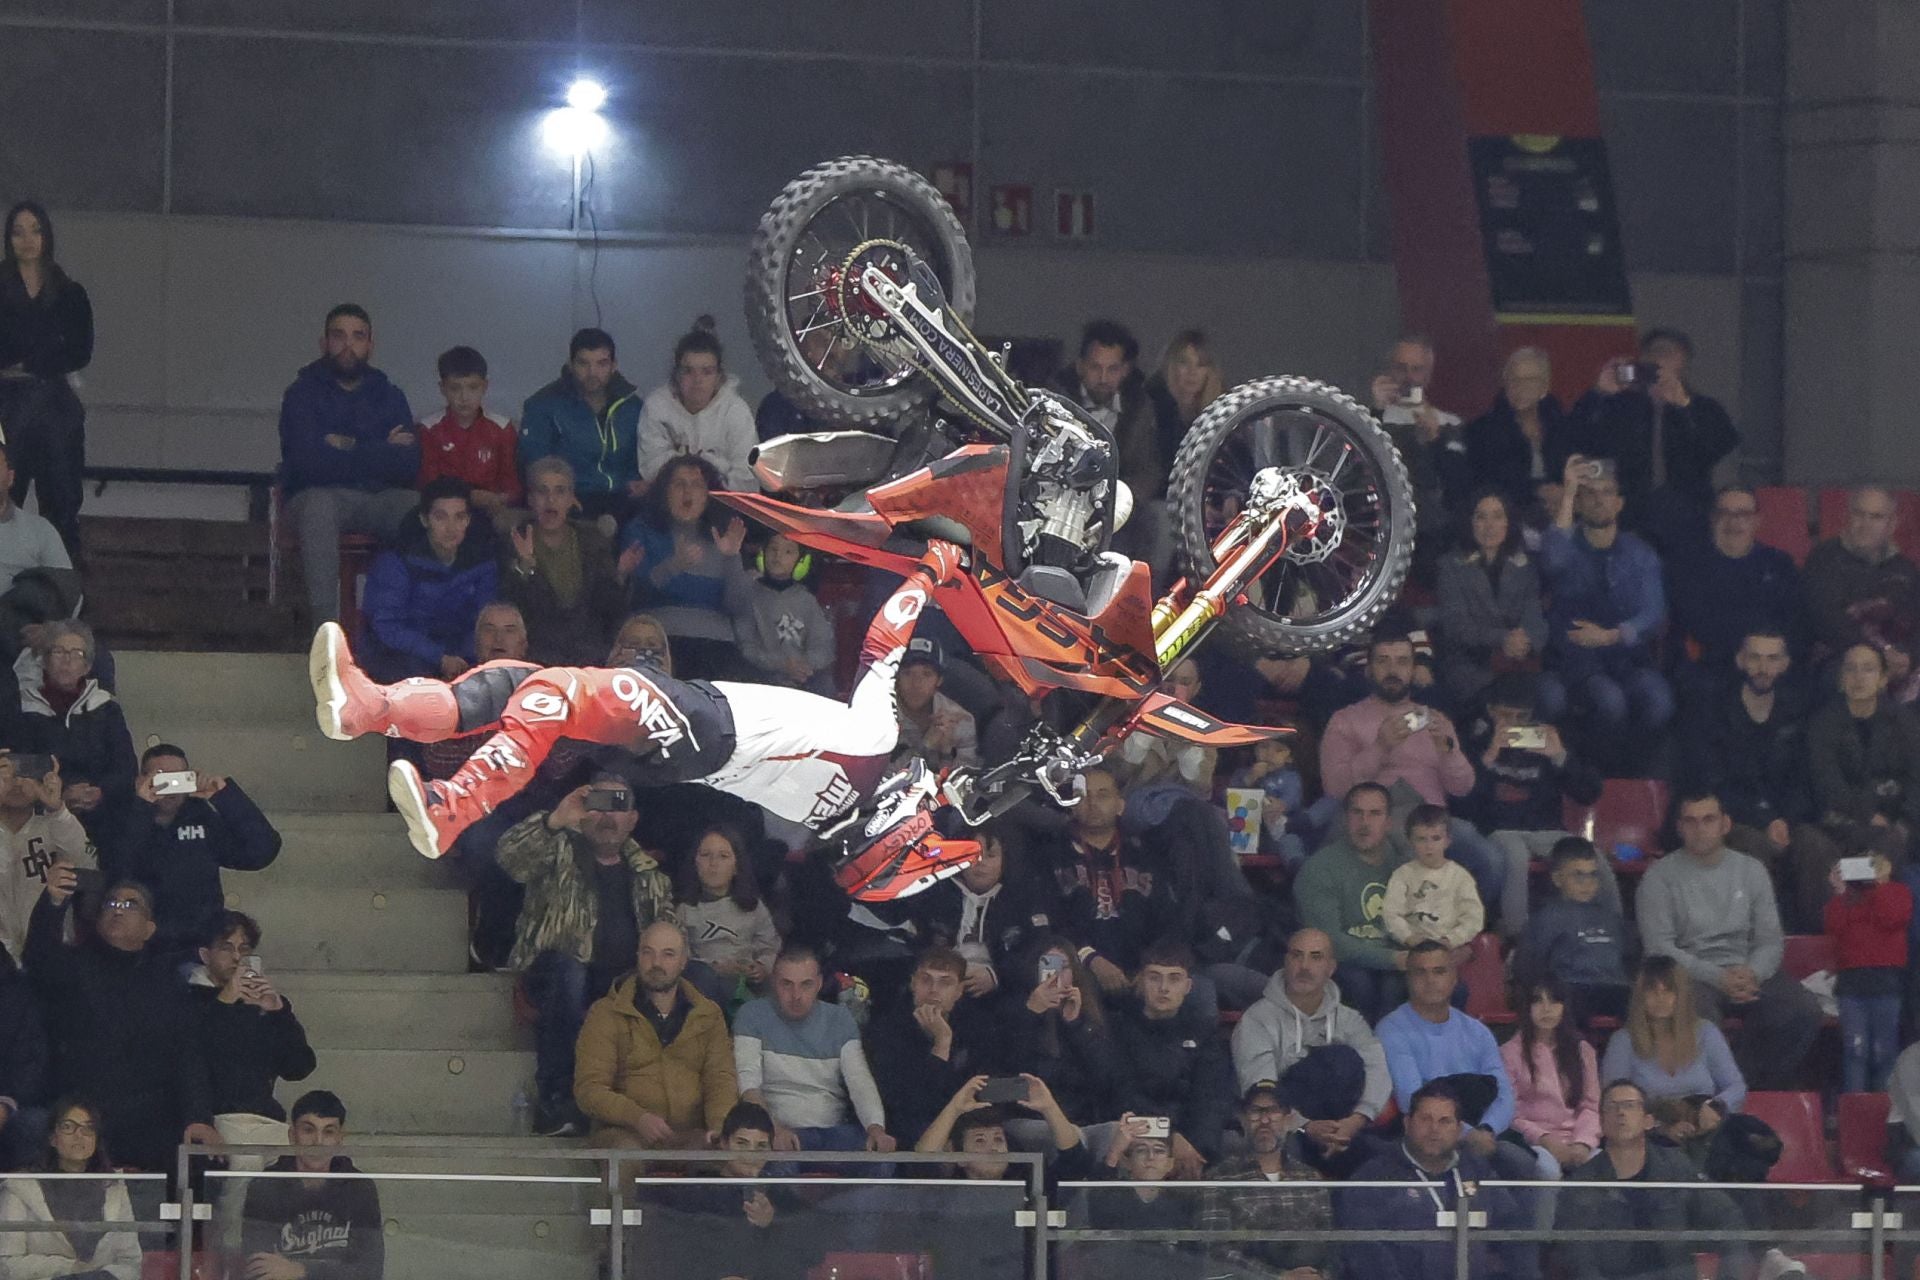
{"x": 850, "y": 211}
{"x": 1326, "y": 591}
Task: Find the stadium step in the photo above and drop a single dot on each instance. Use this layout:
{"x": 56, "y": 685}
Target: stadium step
{"x": 281, "y": 765}
{"x": 352, "y": 927}
{"x": 422, "y": 1091}
{"x": 345, "y": 1010}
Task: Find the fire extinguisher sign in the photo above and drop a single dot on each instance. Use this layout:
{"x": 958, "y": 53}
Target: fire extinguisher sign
{"x": 1073, "y": 214}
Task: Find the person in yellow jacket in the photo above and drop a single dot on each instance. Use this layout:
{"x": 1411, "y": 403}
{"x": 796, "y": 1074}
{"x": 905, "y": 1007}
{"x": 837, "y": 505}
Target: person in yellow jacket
{"x": 654, "y": 1066}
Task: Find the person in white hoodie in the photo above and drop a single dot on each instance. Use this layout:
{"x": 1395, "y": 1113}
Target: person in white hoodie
{"x": 1301, "y": 1011}
{"x": 74, "y": 1147}
{"x": 36, "y": 831}
{"x": 699, "y": 411}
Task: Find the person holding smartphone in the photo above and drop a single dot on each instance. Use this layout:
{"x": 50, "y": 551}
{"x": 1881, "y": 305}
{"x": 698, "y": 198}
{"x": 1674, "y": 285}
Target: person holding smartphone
{"x": 591, "y": 892}
{"x": 37, "y": 830}
{"x": 248, "y": 1033}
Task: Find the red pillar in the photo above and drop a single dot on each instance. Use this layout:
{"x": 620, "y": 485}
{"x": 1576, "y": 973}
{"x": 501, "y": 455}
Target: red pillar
{"x": 1504, "y": 233}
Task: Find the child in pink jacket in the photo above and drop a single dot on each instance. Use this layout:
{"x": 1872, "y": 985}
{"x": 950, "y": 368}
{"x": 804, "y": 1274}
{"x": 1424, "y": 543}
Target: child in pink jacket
{"x": 1556, "y": 1079}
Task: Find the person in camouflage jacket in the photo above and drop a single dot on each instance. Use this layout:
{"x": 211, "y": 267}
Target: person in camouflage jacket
{"x": 591, "y": 891}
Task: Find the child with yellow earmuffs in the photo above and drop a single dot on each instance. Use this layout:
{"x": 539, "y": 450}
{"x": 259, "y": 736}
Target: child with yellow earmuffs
{"x": 782, "y": 631}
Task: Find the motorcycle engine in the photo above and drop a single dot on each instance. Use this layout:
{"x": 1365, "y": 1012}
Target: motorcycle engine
{"x": 1066, "y": 488}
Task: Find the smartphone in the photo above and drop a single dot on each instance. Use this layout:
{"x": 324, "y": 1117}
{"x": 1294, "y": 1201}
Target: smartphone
{"x": 1417, "y": 719}
{"x": 1857, "y": 870}
{"x": 609, "y": 800}
{"x": 31, "y": 766}
{"x": 1158, "y": 1126}
{"x": 1415, "y": 396}
{"x": 89, "y": 880}
{"x": 1050, "y": 964}
{"x": 1527, "y": 737}
{"x": 1003, "y": 1089}
{"x": 181, "y": 783}
{"x": 254, "y": 966}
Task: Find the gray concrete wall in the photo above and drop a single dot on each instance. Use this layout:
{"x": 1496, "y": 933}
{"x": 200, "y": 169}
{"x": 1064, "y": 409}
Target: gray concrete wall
{"x": 224, "y": 170}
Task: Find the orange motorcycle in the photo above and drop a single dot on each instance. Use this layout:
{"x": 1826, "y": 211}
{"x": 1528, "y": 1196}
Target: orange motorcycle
{"x": 1290, "y": 509}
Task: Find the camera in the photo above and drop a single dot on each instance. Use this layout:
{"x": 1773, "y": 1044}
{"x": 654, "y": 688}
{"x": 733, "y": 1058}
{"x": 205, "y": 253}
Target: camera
{"x": 609, "y": 800}
{"x": 183, "y": 782}
{"x": 1857, "y": 870}
{"x": 34, "y": 767}
{"x": 1003, "y": 1089}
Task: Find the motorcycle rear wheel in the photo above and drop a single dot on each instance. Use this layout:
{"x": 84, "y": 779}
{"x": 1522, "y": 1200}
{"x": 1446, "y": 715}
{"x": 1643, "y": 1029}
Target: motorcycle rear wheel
{"x": 1299, "y": 606}
{"x": 820, "y": 218}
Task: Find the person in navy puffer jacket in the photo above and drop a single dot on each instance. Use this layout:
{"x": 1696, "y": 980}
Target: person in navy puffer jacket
{"x": 348, "y": 453}
{"x": 424, "y": 596}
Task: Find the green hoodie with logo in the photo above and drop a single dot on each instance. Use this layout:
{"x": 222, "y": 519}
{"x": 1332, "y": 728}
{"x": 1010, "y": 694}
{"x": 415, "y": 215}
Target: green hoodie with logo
{"x": 1338, "y": 892}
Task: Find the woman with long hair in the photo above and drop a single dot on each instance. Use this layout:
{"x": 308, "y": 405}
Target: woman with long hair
{"x": 1671, "y": 1051}
{"x": 75, "y": 1146}
{"x": 1556, "y": 1078}
{"x": 681, "y": 560}
{"x": 729, "y": 928}
{"x": 1187, "y": 381}
{"x": 1057, "y": 1030}
{"x": 46, "y": 335}
{"x": 1489, "y": 591}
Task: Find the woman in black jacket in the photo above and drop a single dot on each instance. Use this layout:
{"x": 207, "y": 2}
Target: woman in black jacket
{"x": 1490, "y": 615}
{"x": 1863, "y": 760}
{"x": 1522, "y": 442}
{"x": 46, "y": 333}
{"x": 1053, "y": 1027}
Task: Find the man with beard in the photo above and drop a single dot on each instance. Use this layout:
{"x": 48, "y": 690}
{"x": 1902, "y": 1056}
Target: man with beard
{"x": 348, "y": 452}
{"x": 1607, "y": 607}
{"x": 1410, "y": 749}
{"x": 654, "y": 1066}
{"x": 590, "y": 417}
{"x": 1279, "y": 1197}
{"x": 1748, "y": 744}
{"x": 591, "y": 893}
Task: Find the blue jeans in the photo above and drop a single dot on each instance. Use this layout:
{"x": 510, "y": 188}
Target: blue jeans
{"x": 560, "y": 990}
{"x": 1869, "y": 1040}
{"x": 1639, "y": 695}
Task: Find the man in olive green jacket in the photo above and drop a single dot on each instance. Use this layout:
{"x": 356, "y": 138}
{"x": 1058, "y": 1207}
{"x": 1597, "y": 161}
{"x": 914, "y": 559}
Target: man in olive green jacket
{"x": 654, "y": 1067}
{"x": 591, "y": 892}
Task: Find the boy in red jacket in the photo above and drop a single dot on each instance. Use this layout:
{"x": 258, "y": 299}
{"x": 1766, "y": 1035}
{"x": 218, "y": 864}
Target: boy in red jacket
{"x": 1867, "y": 920}
{"x": 468, "y": 443}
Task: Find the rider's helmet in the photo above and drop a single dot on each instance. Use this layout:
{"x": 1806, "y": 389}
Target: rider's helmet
{"x": 896, "y": 852}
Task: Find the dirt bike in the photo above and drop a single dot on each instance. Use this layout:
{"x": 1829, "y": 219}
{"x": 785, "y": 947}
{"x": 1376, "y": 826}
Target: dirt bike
{"x": 1291, "y": 510}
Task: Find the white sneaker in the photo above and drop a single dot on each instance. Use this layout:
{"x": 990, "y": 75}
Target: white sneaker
{"x": 1775, "y": 1265}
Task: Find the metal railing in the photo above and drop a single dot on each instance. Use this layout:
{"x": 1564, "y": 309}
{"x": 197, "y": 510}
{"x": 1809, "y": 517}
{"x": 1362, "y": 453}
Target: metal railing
{"x": 612, "y": 1209}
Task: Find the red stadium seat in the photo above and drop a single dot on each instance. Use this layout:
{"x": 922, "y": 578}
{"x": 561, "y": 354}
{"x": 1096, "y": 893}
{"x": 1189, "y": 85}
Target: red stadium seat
{"x": 1783, "y": 520}
{"x": 1833, "y": 512}
{"x": 1629, "y": 811}
{"x": 1803, "y": 1145}
{"x": 1486, "y": 979}
{"x": 1808, "y": 953}
{"x": 1863, "y": 1137}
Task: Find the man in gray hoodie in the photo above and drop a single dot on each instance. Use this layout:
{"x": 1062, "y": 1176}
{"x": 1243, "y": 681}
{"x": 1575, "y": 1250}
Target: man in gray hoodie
{"x": 1301, "y": 1011}
{"x": 1712, "y": 909}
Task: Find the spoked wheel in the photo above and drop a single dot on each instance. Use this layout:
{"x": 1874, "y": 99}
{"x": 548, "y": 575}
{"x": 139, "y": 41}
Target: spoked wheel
{"x": 1334, "y": 582}
{"x": 814, "y": 339}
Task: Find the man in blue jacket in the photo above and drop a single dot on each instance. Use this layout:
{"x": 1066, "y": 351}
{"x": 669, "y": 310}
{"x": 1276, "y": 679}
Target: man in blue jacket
{"x": 1608, "y": 608}
{"x": 424, "y": 595}
{"x": 348, "y": 454}
{"x": 590, "y": 416}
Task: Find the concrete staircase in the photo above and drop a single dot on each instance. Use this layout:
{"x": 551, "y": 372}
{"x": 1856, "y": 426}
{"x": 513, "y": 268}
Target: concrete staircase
{"x": 369, "y": 942}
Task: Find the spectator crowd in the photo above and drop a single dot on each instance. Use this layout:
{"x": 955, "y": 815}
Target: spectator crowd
{"x": 1147, "y": 1001}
